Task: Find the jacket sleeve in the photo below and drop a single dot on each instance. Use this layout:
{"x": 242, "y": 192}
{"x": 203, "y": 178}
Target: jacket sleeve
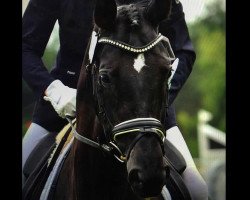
{"x": 37, "y": 24}
{"x": 175, "y": 28}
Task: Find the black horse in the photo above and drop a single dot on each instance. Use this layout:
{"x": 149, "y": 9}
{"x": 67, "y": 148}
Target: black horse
{"x": 121, "y": 97}
{"x": 121, "y": 105}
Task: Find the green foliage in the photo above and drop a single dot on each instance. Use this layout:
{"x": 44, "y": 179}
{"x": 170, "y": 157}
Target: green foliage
{"x": 188, "y": 125}
{"x": 205, "y": 87}
{"x": 51, "y": 49}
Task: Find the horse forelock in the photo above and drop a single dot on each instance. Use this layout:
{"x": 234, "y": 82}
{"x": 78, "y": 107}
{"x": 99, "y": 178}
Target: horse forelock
{"x": 132, "y": 11}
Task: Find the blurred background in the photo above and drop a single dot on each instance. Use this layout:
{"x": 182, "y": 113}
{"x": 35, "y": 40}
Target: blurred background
{"x": 201, "y": 104}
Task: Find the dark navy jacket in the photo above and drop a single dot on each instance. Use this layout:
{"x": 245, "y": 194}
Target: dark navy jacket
{"x": 75, "y": 26}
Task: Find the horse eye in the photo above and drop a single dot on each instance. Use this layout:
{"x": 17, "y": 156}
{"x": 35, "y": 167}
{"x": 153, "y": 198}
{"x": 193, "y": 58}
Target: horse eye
{"x": 104, "y": 80}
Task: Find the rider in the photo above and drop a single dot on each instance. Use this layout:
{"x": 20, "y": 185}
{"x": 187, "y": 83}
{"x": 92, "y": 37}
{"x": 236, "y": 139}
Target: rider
{"x": 56, "y": 90}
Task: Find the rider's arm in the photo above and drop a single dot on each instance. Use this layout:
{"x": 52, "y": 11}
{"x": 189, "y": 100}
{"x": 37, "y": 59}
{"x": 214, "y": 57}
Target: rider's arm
{"x": 175, "y": 28}
{"x": 37, "y": 24}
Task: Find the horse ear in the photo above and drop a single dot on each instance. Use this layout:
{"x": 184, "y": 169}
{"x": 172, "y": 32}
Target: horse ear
{"x": 105, "y": 13}
{"x": 158, "y": 10}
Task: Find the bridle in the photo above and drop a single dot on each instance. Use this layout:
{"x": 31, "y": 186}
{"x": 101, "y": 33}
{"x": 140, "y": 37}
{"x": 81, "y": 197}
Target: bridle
{"x": 142, "y": 127}
{"x": 138, "y": 126}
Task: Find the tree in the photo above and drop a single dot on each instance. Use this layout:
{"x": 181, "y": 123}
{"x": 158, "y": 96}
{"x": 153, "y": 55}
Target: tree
{"x": 206, "y": 86}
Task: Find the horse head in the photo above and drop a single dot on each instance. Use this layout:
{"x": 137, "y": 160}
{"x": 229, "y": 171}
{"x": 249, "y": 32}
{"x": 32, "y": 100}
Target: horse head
{"x": 130, "y": 70}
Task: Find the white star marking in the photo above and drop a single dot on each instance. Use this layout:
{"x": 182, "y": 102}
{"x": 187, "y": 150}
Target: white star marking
{"x": 139, "y": 62}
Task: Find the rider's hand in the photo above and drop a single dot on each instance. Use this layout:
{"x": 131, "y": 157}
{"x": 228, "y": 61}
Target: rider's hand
{"x": 62, "y": 98}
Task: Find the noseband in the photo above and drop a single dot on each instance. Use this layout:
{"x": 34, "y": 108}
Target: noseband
{"x": 140, "y": 126}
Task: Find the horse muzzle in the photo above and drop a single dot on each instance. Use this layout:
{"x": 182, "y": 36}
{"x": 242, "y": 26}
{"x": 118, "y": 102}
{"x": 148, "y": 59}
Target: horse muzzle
{"x": 147, "y": 173}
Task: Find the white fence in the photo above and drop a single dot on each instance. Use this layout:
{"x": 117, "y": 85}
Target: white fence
{"x": 212, "y": 155}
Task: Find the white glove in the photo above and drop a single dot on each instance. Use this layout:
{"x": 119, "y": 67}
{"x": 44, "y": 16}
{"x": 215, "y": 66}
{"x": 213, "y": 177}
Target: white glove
{"x": 62, "y": 98}
{"x": 174, "y": 67}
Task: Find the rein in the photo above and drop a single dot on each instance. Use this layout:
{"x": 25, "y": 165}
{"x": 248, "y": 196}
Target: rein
{"x": 110, "y": 148}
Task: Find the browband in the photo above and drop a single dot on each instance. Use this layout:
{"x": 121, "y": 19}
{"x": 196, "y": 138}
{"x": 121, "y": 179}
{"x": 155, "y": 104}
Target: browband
{"x": 142, "y": 49}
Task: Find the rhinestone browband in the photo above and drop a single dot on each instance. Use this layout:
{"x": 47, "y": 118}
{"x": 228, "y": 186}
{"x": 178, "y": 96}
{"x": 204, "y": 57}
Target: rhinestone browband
{"x": 130, "y": 48}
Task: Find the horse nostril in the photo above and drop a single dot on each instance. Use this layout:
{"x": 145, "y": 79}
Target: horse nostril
{"x": 146, "y": 185}
{"x": 133, "y": 176}
{"x": 135, "y": 180}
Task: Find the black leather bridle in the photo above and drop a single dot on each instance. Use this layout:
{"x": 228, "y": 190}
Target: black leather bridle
{"x": 140, "y": 126}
